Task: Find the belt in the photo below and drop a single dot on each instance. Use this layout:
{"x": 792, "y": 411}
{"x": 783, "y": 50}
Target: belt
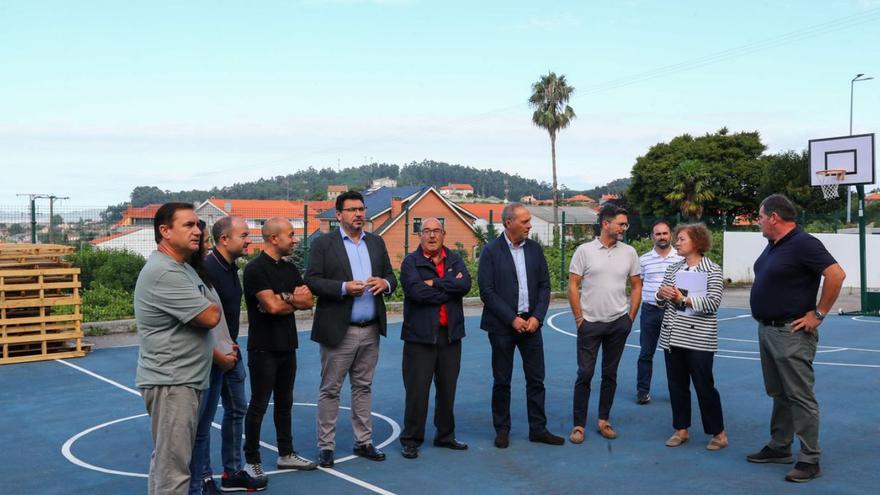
{"x": 524, "y": 316}
{"x": 774, "y": 323}
{"x": 363, "y": 324}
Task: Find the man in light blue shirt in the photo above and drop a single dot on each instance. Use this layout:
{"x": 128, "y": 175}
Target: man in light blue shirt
{"x": 519, "y": 262}
{"x": 653, "y": 265}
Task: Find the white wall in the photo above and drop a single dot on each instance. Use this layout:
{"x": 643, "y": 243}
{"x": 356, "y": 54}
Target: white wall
{"x": 741, "y": 249}
{"x": 141, "y": 242}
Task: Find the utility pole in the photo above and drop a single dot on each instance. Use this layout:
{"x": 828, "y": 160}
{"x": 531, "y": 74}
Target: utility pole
{"x": 52, "y": 199}
{"x": 33, "y": 199}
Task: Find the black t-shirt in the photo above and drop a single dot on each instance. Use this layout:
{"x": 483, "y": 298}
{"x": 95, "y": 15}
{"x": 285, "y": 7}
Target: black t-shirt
{"x": 268, "y": 332}
{"x": 224, "y": 276}
{"x": 787, "y": 276}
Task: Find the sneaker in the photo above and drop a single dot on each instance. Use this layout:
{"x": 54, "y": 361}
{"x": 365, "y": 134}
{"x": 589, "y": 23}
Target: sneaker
{"x": 643, "y": 398}
{"x": 209, "y": 488}
{"x": 768, "y": 455}
{"x": 295, "y": 461}
{"x": 240, "y": 481}
{"x": 256, "y": 472}
{"x": 803, "y": 472}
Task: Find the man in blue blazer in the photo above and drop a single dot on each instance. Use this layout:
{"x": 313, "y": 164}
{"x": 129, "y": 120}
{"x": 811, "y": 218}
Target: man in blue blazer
{"x": 515, "y": 288}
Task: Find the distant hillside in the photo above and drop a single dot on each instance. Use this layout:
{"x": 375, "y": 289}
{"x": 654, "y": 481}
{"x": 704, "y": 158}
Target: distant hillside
{"x": 312, "y": 184}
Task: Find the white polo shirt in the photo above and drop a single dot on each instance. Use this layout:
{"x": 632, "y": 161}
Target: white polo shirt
{"x": 604, "y": 273}
{"x": 653, "y": 267}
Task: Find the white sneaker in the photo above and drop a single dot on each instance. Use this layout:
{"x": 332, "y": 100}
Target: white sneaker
{"x": 256, "y": 472}
{"x": 294, "y": 461}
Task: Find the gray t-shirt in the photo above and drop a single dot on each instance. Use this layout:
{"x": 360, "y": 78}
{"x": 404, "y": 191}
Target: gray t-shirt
{"x": 605, "y": 272}
{"x": 167, "y": 296}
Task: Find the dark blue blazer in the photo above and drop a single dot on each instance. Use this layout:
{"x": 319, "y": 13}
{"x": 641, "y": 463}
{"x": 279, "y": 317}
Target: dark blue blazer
{"x": 499, "y": 288}
{"x": 421, "y": 303}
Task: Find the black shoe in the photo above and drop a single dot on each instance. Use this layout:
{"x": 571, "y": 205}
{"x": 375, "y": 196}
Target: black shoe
{"x": 803, "y": 472}
{"x": 410, "y": 451}
{"x": 325, "y": 458}
{"x": 768, "y": 455}
{"x": 369, "y": 452}
{"x": 546, "y": 437}
{"x": 643, "y": 398}
{"x": 453, "y": 444}
{"x": 502, "y": 439}
{"x": 240, "y": 481}
{"x": 209, "y": 488}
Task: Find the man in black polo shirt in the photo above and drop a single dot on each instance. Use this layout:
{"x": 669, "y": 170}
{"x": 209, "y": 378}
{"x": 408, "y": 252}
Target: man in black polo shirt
{"x": 783, "y": 300}
{"x": 231, "y": 241}
{"x": 273, "y": 290}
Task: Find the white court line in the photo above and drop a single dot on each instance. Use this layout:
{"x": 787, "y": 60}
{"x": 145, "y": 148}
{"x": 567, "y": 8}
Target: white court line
{"x": 719, "y": 352}
{"x": 65, "y": 449}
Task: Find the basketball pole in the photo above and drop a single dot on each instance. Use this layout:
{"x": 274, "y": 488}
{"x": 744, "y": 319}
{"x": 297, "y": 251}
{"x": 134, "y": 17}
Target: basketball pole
{"x": 863, "y": 263}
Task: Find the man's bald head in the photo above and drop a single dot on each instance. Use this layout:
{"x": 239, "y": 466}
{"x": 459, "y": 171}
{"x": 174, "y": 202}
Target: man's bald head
{"x": 279, "y": 237}
{"x": 274, "y": 226}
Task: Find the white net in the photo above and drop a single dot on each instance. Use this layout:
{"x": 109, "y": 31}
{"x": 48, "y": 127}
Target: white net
{"x": 829, "y": 181}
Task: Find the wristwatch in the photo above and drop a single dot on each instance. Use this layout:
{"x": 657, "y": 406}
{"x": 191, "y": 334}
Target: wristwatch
{"x": 819, "y": 315}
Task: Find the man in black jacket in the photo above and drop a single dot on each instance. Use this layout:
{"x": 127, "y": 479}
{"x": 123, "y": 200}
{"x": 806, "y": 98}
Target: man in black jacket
{"x": 515, "y": 289}
{"x": 434, "y": 280}
{"x": 350, "y": 272}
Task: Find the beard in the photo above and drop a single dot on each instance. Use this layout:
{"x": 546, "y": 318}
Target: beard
{"x": 662, "y": 244}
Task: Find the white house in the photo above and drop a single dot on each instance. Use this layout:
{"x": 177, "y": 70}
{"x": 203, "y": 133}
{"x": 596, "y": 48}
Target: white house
{"x": 579, "y": 222}
{"x": 140, "y": 241}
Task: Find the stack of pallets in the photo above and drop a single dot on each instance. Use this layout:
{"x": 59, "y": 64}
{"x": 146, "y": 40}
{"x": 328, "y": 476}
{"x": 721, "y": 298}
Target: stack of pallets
{"x": 35, "y": 282}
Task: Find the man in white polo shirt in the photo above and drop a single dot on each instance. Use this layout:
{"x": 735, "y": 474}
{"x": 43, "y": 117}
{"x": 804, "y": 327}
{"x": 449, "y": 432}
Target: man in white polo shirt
{"x": 604, "y": 319}
{"x": 653, "y": 266}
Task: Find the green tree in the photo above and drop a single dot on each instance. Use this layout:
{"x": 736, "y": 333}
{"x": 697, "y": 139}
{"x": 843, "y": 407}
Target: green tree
{"x": 690, "y": 189}
{"x": 731, "y": 163}
{"x": 550, "y": 96}
{"x": 788, "y": 173}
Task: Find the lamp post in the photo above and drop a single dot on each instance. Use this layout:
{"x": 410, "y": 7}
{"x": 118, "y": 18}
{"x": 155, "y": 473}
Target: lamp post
{"x": 849, "y": 188}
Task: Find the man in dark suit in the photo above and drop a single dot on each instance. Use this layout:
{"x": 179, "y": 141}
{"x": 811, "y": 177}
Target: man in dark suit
{"x": 515, "y": 289}
{"x": 349, "y": 270}
{"x": 434, "y": 280}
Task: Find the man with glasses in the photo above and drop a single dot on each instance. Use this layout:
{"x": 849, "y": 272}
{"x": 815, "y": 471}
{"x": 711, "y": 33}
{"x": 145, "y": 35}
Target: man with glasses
{"x": 350, "y": 272}
{"x": 601, "y": 268}
{"x": 434, "y": 280}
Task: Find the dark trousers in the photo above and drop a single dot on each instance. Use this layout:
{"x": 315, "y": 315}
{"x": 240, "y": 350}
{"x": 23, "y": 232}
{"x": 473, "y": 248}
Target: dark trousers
{"x": 611, "y": 337}
{"x": 649, "y": 325}
{"x": 422, "y": 363}
{"x": 531, "y": 350}
{"x": 270, "y": 373}
{"x": 682, "y": 367}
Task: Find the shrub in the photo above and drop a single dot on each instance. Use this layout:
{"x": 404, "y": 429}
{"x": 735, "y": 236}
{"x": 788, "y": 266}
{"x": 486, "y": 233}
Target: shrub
{"x": 101, "y": 303}
{"x": 110, "y": 268}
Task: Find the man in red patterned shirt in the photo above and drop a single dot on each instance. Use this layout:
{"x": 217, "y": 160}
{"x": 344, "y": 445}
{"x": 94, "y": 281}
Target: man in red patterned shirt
{"x": 434, "y": 280}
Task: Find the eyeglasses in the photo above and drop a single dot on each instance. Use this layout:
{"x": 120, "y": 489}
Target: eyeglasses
{"x": 623, "y": 225}
{"x": 355, "y": 210}
{"x": 430, "y": 232}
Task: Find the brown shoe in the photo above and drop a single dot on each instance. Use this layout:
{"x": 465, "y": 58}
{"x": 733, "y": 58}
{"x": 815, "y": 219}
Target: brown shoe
{"x": 676, "y": 441}
{"x": 577, "y": 435}
{"x": 803, "y": 472}
{"x": 607, "y": 431}
{"x": 715, "y": 444}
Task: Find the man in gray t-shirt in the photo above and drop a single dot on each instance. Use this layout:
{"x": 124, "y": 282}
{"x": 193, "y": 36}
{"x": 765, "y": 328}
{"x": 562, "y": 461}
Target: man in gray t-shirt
{"x": 601, "y": 313}
{"x": 174, "y": 319}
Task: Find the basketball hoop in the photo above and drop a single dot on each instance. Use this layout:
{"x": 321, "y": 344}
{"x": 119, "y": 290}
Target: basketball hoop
{"x": 829, "y": 180}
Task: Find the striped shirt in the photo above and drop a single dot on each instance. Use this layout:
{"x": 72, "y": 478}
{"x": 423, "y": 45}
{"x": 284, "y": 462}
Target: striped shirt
{"x": 653, "y": 266}
{"x": 698, "y": 331}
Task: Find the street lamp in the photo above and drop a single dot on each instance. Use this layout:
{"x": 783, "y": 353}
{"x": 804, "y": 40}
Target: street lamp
{"x": 849, "y": 188}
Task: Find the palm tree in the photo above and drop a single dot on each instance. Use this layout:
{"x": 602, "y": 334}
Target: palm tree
{"x": 550, "y": 96}
{"x": 690, "y": 188}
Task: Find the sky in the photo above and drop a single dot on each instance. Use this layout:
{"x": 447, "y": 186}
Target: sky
{"x": 97, "y": 98}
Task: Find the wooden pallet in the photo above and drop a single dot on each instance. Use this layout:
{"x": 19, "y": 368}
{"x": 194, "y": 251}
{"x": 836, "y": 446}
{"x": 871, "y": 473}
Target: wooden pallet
{"x": 29, "y": 330}
{"x": 36, "y": 255}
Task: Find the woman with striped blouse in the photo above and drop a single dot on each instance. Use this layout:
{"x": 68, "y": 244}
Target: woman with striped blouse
{"x": 689, "y": 339}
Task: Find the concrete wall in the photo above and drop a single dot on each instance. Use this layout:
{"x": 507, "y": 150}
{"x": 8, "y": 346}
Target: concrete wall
{"x": 741, "y": 249}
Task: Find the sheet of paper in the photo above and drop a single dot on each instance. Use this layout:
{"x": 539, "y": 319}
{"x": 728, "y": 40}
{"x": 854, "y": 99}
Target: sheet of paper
{"x": 694, "y": 282}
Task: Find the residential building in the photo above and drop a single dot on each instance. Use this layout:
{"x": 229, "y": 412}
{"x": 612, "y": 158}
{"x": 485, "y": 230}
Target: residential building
{"x": 579, "y": 225}
{"x": 139, "y": 216}
{"x": 333, "y": 191}
{"x": 457, "y": 192}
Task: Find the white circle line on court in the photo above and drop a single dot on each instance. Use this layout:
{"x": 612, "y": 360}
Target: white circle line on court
{"x": 720, "y": 352}
{"x": 859, "y": 319}
{"x": 66, "y": 449}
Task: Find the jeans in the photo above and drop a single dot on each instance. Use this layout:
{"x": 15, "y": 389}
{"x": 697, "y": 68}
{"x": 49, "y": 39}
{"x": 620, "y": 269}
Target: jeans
{"x": 200, "y": 465}
{"x": 649, "y": 324}
{"x": 272, "y": 375}
{"x": 234, "y": 408}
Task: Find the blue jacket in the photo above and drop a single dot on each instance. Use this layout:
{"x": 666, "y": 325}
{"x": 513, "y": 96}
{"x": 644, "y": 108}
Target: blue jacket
{"x": 421, "y": 302}
{"x": 499, "y": 288}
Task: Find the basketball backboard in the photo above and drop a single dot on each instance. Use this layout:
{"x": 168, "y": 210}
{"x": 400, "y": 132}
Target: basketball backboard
{"x": 853, "y": 154}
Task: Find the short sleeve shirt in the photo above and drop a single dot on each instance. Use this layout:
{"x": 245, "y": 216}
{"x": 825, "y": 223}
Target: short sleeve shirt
{"x": 604, "y": 273}
{"x": 787, "y": 276}
{"x": 268, "y": 332}
{"x": 167, "y": 296}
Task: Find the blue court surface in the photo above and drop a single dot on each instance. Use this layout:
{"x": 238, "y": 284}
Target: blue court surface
{"x": 80, "y": 427}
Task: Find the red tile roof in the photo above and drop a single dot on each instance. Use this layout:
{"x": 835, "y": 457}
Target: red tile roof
{"x": 267, "y": 208}
{"x": 457, "y": 187}
{"x": 579, "y": 198}
{"x": 481, "y": 210}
